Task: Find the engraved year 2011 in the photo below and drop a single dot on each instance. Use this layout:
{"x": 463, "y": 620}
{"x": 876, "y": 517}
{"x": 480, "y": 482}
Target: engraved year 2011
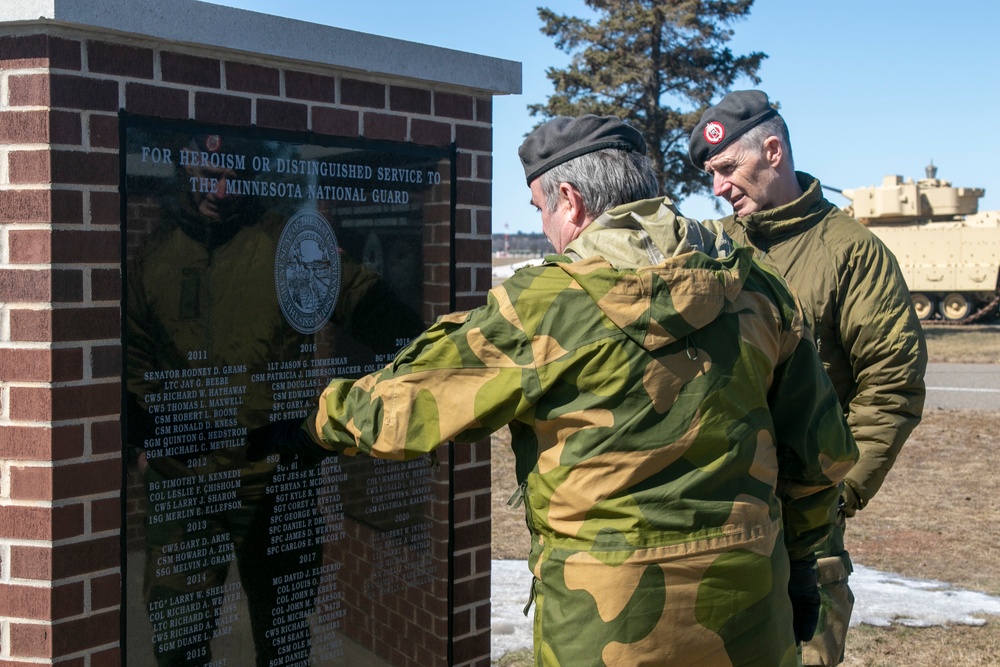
{"x": 197, "y": 355}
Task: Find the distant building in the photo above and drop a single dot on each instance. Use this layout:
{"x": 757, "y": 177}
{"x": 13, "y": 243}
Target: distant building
{"x": 520, "y": 243}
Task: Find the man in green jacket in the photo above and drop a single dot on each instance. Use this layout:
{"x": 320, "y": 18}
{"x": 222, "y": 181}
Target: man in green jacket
{"x": 854, "y": 299}
{"x": 677, "y": 443}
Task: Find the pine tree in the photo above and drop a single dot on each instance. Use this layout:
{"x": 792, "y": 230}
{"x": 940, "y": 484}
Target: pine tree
{"x": 657, "y": 64}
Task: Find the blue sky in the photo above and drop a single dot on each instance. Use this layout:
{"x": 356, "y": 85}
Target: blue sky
{"x": 868, "y": 87}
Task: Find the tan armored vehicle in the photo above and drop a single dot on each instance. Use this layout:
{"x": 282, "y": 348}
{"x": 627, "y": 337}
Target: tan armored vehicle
{"x": 948, "y": 251}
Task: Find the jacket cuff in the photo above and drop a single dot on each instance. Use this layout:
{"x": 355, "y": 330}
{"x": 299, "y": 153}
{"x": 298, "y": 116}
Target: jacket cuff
{"x": 852, "y": 497}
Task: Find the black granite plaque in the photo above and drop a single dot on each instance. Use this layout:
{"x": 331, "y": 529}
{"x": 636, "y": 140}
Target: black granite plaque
{"x": 258, "y": 266}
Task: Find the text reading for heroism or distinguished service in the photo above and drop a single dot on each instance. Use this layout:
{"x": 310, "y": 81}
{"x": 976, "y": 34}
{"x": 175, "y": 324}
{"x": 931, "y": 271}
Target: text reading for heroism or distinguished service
{"x": 264, "y": 188}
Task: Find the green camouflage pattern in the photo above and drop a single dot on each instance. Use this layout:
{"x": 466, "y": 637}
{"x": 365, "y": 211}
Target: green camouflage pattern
{"x": 856, "y": 302}
{"x": 674, "y": 433}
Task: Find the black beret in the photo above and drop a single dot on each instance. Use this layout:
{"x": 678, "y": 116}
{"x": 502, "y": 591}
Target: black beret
{"x": 563, "y": 138}
{"x": 735, "y": 115}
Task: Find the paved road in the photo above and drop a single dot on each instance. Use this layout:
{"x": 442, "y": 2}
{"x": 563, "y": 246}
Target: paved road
{"x": 963, "y": 387}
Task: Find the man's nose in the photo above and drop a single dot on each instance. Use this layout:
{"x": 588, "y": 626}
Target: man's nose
{"x": 720, "y": 185}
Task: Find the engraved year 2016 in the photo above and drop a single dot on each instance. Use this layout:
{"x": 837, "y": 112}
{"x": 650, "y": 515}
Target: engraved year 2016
{"x": 306, "y": 348}
{"x": 197, "y": 355}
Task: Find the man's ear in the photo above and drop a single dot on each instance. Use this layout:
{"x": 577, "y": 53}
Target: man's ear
{"x": 773, "y": 151}
{"x": 572, "y": 200}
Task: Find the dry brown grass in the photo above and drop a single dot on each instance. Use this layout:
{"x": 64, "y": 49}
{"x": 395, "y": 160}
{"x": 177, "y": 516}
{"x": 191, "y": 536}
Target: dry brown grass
{"x": 937, "y": 517}
{"x": 510, "y": 539}
{"x": 978, "y": 344}
{"x": 899, "y": 646}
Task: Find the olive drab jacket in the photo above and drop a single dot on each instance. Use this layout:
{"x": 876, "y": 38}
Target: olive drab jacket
{"x": 857, "y": 304}
{"x": 674, "y": 431}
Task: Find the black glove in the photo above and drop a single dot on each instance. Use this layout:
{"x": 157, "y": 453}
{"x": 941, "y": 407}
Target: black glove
{"x": 287, "y": 438}
{"x": 804, "y": 593}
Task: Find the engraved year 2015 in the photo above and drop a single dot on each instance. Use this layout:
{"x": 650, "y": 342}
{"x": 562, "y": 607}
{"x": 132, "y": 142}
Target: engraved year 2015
{"x": 196, "y": 653}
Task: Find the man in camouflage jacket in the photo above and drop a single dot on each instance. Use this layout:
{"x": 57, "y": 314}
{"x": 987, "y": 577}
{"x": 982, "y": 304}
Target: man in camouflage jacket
{"x": 854, "y": 299}
{"x": 677, "y": 442}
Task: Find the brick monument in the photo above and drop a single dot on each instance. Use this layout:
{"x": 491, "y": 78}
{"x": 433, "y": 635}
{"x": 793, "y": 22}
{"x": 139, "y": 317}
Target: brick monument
{"x": 378, "y": 148}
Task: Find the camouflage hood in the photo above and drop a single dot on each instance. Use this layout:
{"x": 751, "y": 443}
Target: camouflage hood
{"x": 647, "y": 232}
{"x": 647, "y": 277}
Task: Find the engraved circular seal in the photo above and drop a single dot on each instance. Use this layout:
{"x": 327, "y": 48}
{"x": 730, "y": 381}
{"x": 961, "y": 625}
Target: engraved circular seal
{"x": 307, "y": 271}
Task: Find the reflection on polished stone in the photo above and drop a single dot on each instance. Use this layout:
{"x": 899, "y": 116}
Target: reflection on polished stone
{"x": 256, "y": 271}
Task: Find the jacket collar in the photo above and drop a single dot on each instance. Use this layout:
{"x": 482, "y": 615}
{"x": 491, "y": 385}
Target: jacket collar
{"x": 764, "y": 228}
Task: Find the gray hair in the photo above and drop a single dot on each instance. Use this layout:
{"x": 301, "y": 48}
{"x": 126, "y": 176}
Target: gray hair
{"x": 605, "y": 179}
{"x": 772, "y": 127}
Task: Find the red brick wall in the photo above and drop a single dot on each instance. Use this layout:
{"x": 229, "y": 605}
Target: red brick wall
{"x": 60, "y": 285}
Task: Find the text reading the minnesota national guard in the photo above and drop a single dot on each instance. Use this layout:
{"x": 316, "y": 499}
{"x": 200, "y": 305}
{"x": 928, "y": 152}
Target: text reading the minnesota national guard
{"x": 262, "y": 176}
